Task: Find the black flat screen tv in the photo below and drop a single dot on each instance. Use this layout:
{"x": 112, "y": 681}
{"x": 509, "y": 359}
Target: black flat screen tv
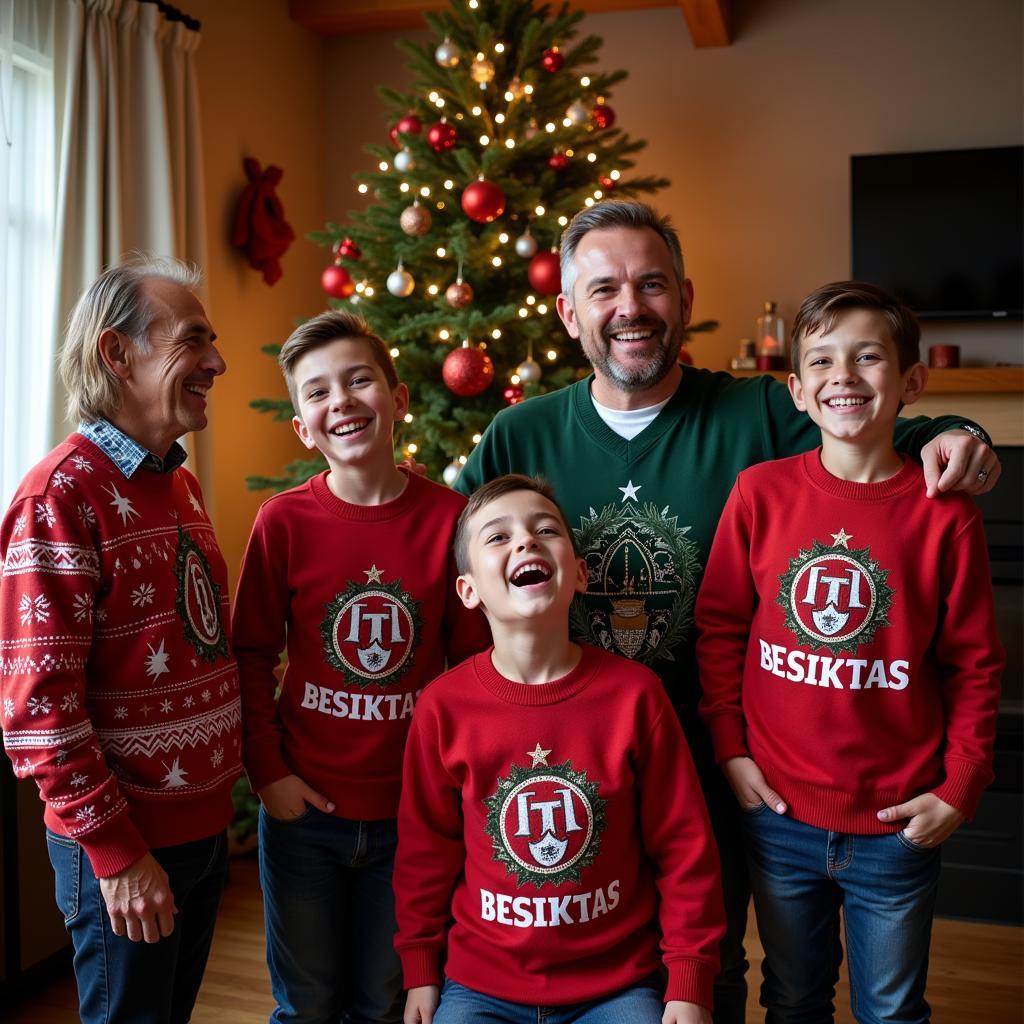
{"x": 943, "y": 230}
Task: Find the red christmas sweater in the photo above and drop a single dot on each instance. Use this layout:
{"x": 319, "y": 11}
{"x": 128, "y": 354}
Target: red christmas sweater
{"x": 847, "y": 642}
{"x": 363, "y": 597}
{"x": 553, "y": 836}
{"x": 120, "y": 693}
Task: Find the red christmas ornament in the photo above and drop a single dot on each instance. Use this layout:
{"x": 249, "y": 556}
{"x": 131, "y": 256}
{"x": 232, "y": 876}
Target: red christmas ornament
{"x": 467, "y": 371}
{"x": 441, "y": 136}
{"x": 552, "y": 59}
{"x": 558, "y": 161}
{"x": 337, "y": 281}
{"x": 459, "y": 294}
{"x": 608, "y": 184}
{"x": 513, "y": 394}
{"x": 410, "y": 124}
{"x": 545, "y": 273}
{"x": 483, "y": 201}
{"x": 348, "y": 248}
{"x": 603, "y": 115}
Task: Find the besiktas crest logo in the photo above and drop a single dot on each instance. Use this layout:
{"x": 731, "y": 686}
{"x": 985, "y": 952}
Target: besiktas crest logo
{"x": 545, "y": 821}
{"x": 371, "y": 631}
{"x": 197, "y": 600}
{"x": 835, "y": 597}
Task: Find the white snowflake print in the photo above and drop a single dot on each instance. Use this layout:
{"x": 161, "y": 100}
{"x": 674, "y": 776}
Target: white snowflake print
{"x": 217, "y": 757}
{"x": 8, "y": 707}
{"x": 62, "y": 481}
{"x": 121, "y": 713}
{"x": 26, "y": 767}
{"x": 156, "y": 663}
{"x": 82, "y": 463}
{"x": 62, "y": 756}
{"x": 78, "y": 780}
{"x": 189, "y": 701}
{"x": 38, "y": 706}
{"x": 124, "y": 506}
{"x": 143, "y": 594}
{"x": 166, "y": 707}
{"x": 82, "y": 607}
{"x": 19, "y": 525}
{"x": 44, "y": 514}
{"x": 34, "y": 609}
{"x": 86, "y": 514}
{"x": 87, "y": 813}
{"x": 207, "y": 696}
{"x": 70, "y": 702}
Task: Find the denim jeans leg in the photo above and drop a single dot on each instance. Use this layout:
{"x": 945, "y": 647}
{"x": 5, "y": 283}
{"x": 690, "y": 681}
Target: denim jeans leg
{"x": 889, "y": 887}
{"x": 638, "y": 1004}
{"x": 461, "y": 1005}
{"x": 374, "y": 988}
{"x": 147, "y": 983}
{"x": 305, "y": 900}
{"x": 797, "y": 908}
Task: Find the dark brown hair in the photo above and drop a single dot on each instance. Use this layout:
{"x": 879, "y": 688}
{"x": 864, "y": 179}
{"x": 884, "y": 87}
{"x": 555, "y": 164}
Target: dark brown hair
{"x": 822, "y": 308}
{"x": 491, "y": 491}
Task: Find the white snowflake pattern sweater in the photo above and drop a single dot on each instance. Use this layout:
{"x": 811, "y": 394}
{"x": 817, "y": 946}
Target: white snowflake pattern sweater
{"x": 119, "y": 690}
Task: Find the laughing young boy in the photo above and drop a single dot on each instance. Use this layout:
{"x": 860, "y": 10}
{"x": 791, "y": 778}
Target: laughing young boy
{"x": 850, "y": 669}
{"x": 552, "y": 830}
{"x": 353, "y": 573}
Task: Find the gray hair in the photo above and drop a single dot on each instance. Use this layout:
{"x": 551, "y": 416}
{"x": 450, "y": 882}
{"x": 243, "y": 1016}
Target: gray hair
{"x": 114, "y": 301}
{"x": 616, "y": 213}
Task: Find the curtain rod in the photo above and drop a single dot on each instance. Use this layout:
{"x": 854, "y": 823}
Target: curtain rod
{"x": 173, "y": 14}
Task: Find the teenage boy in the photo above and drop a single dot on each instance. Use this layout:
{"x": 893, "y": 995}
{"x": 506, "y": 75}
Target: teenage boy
{"x": 553, "y": 832}
{"x": 851, "y": 669}
{"x": 353, "y": 573}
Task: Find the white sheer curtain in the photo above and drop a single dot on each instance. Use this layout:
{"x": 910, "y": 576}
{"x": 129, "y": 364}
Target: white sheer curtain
{"x": 27, "y": 196}
{"x": 130, "y": 175}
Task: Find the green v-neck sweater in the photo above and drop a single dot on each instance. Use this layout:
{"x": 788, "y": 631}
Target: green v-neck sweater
{"x": 644, "y": 511}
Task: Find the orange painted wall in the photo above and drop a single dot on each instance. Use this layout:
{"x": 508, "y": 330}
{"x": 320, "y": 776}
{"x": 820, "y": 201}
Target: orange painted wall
{"x": 261, "y": 81}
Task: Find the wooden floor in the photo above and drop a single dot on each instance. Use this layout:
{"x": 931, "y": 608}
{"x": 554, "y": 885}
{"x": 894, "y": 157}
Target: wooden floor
{"x": 977, "y": 971}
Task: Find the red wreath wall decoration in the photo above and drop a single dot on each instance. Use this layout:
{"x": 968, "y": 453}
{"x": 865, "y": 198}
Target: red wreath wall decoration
{"x": 260, "y": 228}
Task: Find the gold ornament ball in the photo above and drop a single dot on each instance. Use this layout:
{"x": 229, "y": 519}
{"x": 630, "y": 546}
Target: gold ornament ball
{"x": 415, "y": 220}
{"x": 459, "y": 294}
{"x": 481, "y": 71}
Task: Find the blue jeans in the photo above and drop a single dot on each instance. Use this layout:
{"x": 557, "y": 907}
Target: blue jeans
{"x": 886, "y": 886}
{"x": 639, "y": 1004}
{"x": 330, "y": 919}
{"x": 145, "y": 983}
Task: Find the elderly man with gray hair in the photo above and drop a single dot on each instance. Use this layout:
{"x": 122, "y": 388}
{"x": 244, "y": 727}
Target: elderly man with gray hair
{"x": 118, "y": 685}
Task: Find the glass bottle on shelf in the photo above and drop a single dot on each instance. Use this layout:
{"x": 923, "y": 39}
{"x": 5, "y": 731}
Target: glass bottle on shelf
{"x": 747, "y": 358}
{"x": 771, "y": 339}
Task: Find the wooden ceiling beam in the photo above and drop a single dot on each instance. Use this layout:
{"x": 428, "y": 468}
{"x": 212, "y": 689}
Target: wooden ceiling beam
{"x": 708, "y": 20}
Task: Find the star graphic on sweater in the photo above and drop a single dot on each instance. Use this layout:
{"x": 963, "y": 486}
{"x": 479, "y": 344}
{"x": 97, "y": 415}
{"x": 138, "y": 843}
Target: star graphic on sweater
{"x": 372, "y": 574}
{"x": 539, "y": 756}
{"x": 841, "y": 539}
{"x": 175, "y": 776}
{"x": 194, "y": 502}
{"x": 629, "y": 491}
{"x": 156, "y": 663}
{"x": 124, "y": 506}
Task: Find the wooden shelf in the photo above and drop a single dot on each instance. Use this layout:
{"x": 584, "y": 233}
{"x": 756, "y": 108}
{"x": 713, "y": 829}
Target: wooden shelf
{"x": 975, "y": 380}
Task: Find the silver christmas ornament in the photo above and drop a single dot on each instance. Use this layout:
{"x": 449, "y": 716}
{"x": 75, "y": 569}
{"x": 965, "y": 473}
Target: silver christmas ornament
{"x": 404, "y": 161}
{"x": 529, "y": 370}
{"x": 526, "y": 245}
{"x": 451, "y": 472}
{"x": 447, "y": 54}
{"x": 578, "y": 113}
{"x": 400, "y": 283}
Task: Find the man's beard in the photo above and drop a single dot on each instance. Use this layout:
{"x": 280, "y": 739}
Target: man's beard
{"x": 639, "y": 374}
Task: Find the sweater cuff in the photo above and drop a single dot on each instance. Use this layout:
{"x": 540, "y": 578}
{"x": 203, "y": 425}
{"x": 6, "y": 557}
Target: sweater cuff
{"x": 421, "y": 965}
{"x": 114, "y": 847}
{"x": 264, "y": 764}
{"x": 729, "y": 736}
{"x": 691, "y": 981}
{"x": 964, "y": 784}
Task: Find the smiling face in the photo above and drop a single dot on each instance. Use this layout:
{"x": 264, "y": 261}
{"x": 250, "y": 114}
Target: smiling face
{"x": 521, "y": 561}
{"x": 629, "y": 314}
{"x": 346, "y": 407}
{"x": 850, "y": 381}
{"x": 165, "y": 386}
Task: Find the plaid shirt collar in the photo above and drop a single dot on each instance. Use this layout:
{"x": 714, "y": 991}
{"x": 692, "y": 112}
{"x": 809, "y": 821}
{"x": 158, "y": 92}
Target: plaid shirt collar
{"x": 129, "y": 455}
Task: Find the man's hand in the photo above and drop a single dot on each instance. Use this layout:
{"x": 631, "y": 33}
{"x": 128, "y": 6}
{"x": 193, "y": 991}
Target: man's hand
{"x": 678, "y": 1012}
{"x": 932, "y": 821}
{"x": 750, "y": 786}
{"x": 958, "y": 461}
{"x": 287, "y": 798}
{"x": 139, "y": 901}
{"x": 421, "y": 1003}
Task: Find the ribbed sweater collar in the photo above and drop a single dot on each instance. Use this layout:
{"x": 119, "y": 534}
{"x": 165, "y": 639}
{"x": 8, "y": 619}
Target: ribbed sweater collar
{"x": 535, "y": 695}
{"x": 367, "y": 513}
{"x": 819, "y": 476}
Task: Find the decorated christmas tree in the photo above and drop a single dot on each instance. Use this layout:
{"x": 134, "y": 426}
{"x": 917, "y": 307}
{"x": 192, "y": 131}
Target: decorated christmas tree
{"x": 506, "y": 133}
